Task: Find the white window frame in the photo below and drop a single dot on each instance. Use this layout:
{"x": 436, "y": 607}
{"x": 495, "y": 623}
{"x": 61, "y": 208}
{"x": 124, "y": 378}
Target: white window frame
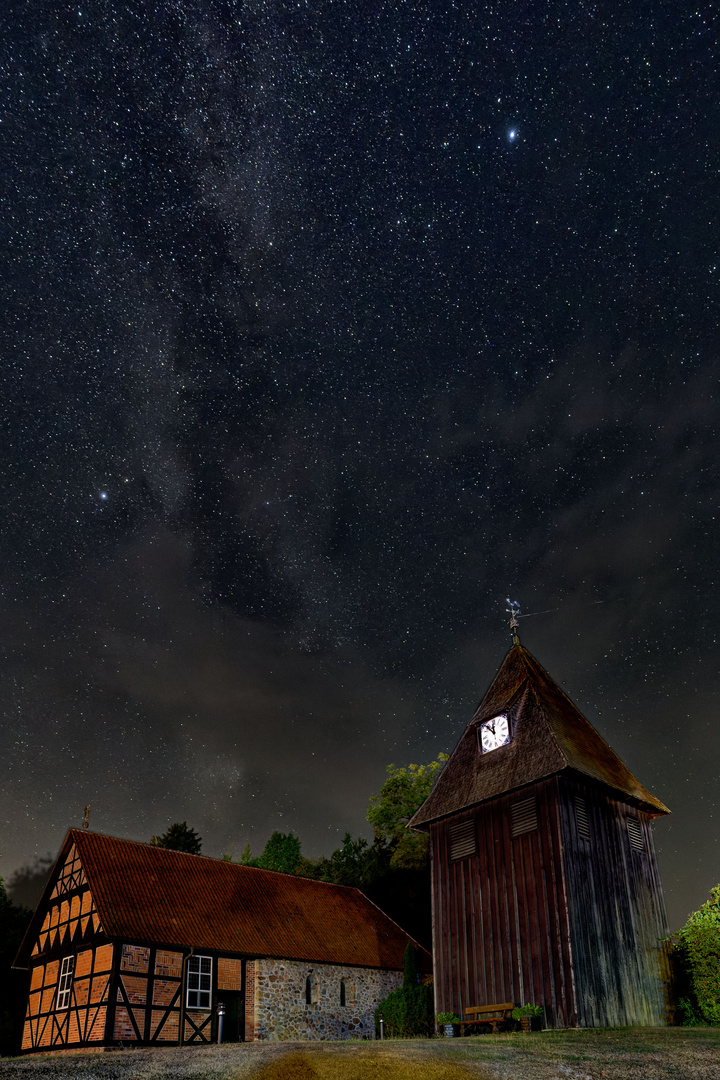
{"x": 64, "y": 989}
{"x": 199, "y": 972}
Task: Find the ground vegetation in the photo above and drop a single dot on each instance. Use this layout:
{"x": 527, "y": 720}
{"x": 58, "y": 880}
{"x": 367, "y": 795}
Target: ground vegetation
{"x": 601, "y": 1054}
{"x": 698, "y": 946}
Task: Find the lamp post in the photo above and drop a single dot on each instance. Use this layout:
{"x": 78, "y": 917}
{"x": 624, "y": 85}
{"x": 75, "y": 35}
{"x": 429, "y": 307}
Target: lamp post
{"x": 221, "y": 1019}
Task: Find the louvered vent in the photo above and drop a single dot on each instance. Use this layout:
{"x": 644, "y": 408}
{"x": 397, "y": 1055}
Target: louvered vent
{"x": 581, "y": 819}
{"x": 462, "y": 840}
{"x": 635, "y": 834}
{"x": 524, "y": 816}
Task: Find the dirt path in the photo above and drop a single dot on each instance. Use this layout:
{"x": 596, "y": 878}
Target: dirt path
{"x": 631, "y": 1054}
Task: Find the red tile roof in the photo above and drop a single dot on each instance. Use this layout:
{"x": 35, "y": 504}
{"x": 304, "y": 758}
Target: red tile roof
{"x": 147, "y": 894}
{"x": 550, "y": 735}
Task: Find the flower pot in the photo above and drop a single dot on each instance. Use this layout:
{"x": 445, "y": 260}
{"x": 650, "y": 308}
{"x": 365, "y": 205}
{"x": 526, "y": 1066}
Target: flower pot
{"x": 525, "y": 1023}
{"x": 449, "y": 1031}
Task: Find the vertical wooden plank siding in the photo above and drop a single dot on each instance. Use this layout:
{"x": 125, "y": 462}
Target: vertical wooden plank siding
{"x": 617, "y": 913}
{"x": 500, "y": 929}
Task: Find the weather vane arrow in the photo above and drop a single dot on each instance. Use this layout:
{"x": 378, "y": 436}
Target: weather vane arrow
{"x": 514, "y": 611}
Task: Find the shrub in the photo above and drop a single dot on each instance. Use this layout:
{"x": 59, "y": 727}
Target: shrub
{"x": 447, "y": 1018}
{"x": 699, "y": 943}
{"x": 522, "y": 1011}
{"x": 407, "y": 1012}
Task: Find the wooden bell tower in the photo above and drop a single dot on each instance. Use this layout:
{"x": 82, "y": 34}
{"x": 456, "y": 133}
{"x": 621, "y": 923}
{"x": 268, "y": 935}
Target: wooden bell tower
{"x": 545, "y": 887}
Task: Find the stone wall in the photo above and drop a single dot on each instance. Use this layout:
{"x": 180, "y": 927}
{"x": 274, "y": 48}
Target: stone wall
{"x": 281, "y": 1010}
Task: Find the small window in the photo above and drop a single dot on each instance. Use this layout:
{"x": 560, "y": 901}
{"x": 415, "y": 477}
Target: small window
{"x": 311, "y": 991}
{"x": 199, "y": 982}
{"x": 343, "y": 1002}
{"x": 635, "y": 834}
{"x": 523, "y": 817}
{"x": 581, "y": 819}
{"x": 65, "y": 984}
{"x": 462, "y": 839}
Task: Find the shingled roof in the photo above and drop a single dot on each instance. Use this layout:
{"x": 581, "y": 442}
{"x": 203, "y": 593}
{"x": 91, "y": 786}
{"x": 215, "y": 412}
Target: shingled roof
{"x": 550, "y": 735}
{"x": 145, "y": 893}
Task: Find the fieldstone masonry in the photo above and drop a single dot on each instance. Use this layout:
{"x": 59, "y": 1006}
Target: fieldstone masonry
{"x": 281, "y": 1011}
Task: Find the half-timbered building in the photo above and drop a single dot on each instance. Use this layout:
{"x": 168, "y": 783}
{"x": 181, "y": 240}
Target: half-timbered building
{"x": 136, "y": 945}
{"x": 545, "y": 884}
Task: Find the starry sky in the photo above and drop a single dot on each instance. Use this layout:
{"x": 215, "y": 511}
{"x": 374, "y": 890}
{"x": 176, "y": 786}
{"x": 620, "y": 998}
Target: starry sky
{"x": 327, "y": 326}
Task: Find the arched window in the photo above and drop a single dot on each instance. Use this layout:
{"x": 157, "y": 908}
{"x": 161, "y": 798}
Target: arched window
{"x": 342, "y": 992}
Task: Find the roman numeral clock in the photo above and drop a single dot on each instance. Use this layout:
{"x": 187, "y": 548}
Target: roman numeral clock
{"x": 494, "y": 732}
{"x": 544, "y": 878}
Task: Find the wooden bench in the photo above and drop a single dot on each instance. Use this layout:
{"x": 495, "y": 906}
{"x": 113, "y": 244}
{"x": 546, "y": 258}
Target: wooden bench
{"x": 477, "y": 1011}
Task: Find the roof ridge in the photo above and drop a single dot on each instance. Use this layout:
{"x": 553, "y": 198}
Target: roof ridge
{"x": 214, "y": 859}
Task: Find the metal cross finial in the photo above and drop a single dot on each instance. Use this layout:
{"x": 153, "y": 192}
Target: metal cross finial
{"x": 514, "y": 611}
{"x": 86, "y": 819}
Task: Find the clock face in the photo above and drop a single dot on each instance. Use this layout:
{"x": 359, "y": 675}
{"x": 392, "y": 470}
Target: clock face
{"x": 494, "y": 733}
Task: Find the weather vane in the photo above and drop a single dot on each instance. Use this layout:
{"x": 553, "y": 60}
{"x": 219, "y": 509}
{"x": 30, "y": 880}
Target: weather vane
{"x": 514, "y": 611}
{"x": 86, "y": 819}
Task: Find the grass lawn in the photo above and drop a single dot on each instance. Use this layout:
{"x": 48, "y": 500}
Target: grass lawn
{"x": 614, "y": 1054}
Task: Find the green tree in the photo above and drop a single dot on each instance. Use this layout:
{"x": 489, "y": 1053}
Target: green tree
{"x": 355, "y": 863}
{"x": 404, "y": 792}
{"x": 699, "y": 943}
{"x": 179, "y": 837}
{"x": 410, "y": 972}
{"x": 393, "y": 871}
{"x": 14, "y": 921}
{"x": 282, "y": 852}
{"x": 408, "y": 1011}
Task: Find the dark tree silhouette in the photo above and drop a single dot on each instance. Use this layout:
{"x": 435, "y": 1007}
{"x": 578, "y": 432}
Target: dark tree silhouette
{"x": 179, "y": 837}
{"x": 26, "y": 885}
{"x": 14, "y": 920}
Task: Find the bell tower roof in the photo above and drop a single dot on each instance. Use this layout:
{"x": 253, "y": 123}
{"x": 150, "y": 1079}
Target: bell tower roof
{"x": 548, "y": 735}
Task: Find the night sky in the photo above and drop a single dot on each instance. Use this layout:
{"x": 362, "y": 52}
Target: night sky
{"x": 326, "y": 327}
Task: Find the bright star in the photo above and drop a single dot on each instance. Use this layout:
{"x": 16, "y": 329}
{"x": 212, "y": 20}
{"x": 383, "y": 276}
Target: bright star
{"x": 103, "y": 495}
{"x": 512, "y": 135}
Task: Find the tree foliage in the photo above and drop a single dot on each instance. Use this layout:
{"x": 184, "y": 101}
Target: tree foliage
{"x": 699, "y": 943}
{"x": 410, "y": 971}
{"x": 408, "y": 1012}
{"x": 282, "y": 853}
{"x": 179, "y": 837}
{"x": 404, "y": 792}
{"x": 393, "y": 871}
{"x": 355, "y": 863}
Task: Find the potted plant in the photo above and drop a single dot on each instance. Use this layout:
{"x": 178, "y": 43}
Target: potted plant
{"x": 446, "y": 1021}
{"x": 529, "y": 1016}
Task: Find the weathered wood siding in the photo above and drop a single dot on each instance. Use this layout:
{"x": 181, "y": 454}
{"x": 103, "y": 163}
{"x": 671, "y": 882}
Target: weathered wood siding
{"x": 500, "y": 919}
{"x": 617, "y": 913}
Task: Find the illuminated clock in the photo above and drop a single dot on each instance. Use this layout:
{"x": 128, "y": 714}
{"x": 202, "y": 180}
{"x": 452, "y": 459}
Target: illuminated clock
{"x": 494, "y": 732}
